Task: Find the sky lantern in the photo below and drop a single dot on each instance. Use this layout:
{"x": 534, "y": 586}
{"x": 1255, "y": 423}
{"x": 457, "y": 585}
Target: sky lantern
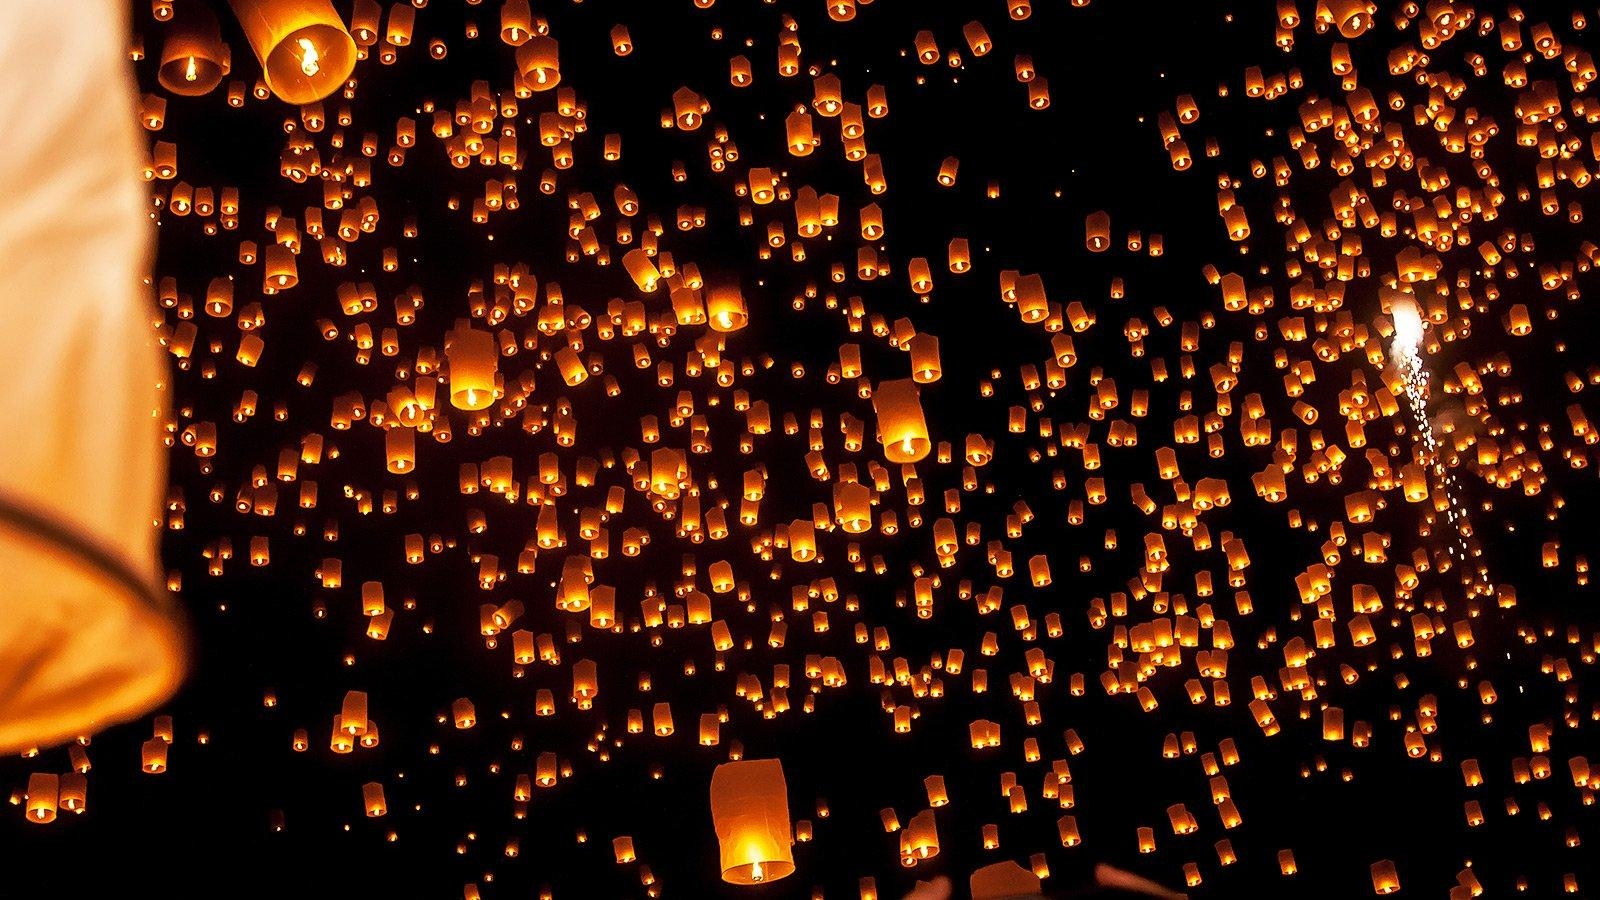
{"x": 901, "y": 427}
{"x": 302, "y": 45}
{"x": 750, "y": 811}
{"x": 1306, "y": 487}
{"x": 194, "y": 58}
{"x": 473, "y": 364}
{"x": 87, "y": 625}
{"x": 539, "y": 62}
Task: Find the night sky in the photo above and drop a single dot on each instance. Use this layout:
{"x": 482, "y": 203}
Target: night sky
{"x": 1434, "y": 168}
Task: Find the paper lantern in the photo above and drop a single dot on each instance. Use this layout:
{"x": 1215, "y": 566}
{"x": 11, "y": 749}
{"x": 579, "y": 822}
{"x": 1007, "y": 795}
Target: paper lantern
{"x": 902, "y": 429}
{"x": 194, "y": 58}
{"x": 305, "y": 51}
{"x": 725, "y": 306}
{"x": 920, "y": 839}
{"x": 538, "y": 61}
{"x": 44, "y": 794}
{"x": 750, "y": 811}
{"x": 88, "y": 634}
{"x": 473, "y": 361}
{"x": 372, "y": 800}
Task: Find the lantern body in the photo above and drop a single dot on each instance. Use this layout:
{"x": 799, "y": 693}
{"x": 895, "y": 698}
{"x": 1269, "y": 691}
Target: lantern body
{"x": 473, "y": 361}
{"x": 87, "y": 636}
{"x": 901, "y": 426}
{"x": 305, "y": 51}
{"x": 750, "y": 810}
{"x": 194, "y": 58}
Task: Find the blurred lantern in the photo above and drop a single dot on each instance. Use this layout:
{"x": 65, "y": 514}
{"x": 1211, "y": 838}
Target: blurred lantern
{"x": 750, "y": 810}
{"x": 88, "y": 636}
{"x": 1003, "y": 880}
{"x": 305, "y": 51}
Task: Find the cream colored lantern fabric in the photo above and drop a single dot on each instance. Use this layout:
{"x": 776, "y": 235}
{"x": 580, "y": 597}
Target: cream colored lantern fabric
{"x": 87, "y": 638}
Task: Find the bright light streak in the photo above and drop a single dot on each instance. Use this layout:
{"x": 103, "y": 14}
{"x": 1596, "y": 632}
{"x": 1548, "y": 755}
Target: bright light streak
{"x": 1415, "y": 374}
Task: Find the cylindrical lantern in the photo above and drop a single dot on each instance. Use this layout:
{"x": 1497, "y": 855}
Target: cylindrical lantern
{"x": 539, "y": 62}
{"x": 88, "y": 634}
{"x": 473, "y": 360}
{"x": 194, "y": 58}
{"x": 44, "y": 793}
{"x": 901, "y": 427}
{"x": 305, "y": 51}
{"x": 750, "y": 810}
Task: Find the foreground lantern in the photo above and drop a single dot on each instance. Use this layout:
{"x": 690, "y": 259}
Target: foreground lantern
{"x": 88, "y": 636}
{"x": 1003, "y": 879}
{"x": 750, "y": 810}
{"x": 305, "y": 51}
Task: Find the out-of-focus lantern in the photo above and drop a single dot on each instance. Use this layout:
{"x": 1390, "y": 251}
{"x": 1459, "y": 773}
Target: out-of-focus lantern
{"x": 750, "y": 810}
{"x": 1001, "y": 880}
{"x": 305, "y": 51}
{"x": 88, "y": 635}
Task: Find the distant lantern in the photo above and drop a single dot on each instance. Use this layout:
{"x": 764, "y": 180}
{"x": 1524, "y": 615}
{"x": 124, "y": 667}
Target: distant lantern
{"x": 194, "y": 58}
{"x": 88, "y": 634}
{"x": 305, "y": 51}
{"x": 750, "y": 810}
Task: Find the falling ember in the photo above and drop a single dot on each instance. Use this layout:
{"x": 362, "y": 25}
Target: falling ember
{"x": 1413, "y": 370}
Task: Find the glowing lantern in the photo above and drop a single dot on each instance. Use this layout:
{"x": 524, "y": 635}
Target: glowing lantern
{"x": 1385, "y": 880}
{"x": 88, "y": 634}
{"x": 1351, "y": 17}
{"x": 194, "y": 58}
{"x": 725, "y": 307}
{"x": 44, "y": 792}
{"x": 750, "y": 811}
{"x": 901, "y": 427}
{"x": 539, "y": 62}
{"x": 372, "y": 800}
{"x": 920, "y": 839}
{"x": 305, "y": 51}
{"x": 473, "y": 359}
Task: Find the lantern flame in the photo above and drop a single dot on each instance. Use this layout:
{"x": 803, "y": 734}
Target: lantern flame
{"x": 191, "y": 72}
{"x": 310, "y": 59}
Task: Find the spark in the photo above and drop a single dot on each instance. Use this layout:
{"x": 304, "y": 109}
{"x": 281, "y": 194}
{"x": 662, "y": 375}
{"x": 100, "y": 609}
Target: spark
{"x": 1414, "y": 372}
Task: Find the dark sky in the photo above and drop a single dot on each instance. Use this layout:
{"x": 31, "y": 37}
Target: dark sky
{"x": 1516, "y": 460}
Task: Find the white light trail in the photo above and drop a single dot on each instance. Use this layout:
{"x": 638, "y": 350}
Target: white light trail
{"x": 1414, "y": 373}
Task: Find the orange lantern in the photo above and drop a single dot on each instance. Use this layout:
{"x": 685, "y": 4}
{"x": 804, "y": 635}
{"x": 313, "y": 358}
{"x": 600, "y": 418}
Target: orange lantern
{"x": 305, "y": 51}
{"x": 750, "y": 811}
